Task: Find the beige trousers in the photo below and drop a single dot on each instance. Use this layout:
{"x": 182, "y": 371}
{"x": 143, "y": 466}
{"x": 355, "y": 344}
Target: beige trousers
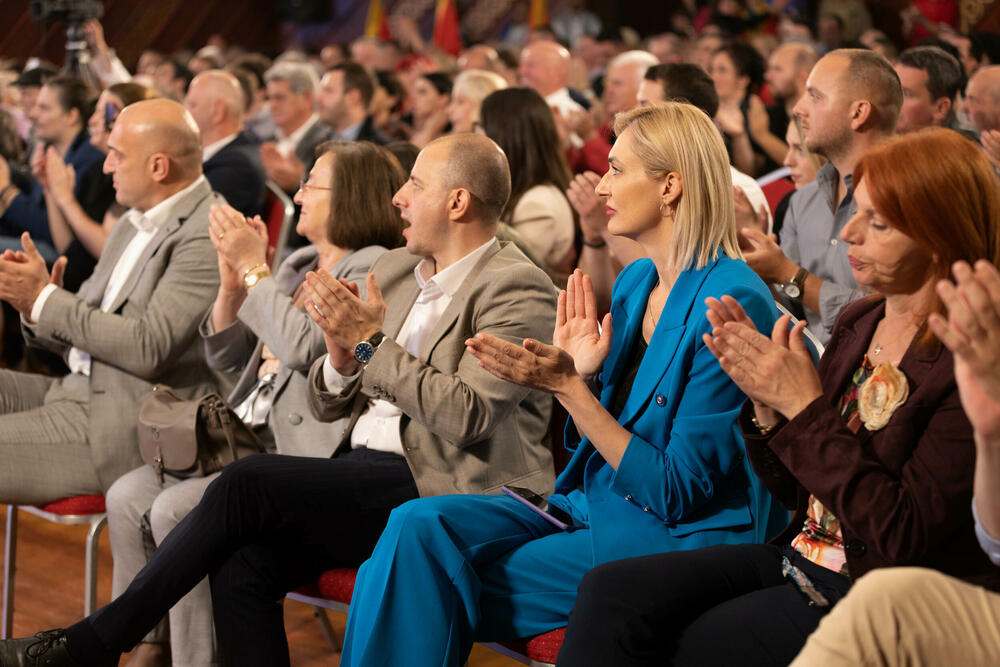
{"x": 908, "y": 616}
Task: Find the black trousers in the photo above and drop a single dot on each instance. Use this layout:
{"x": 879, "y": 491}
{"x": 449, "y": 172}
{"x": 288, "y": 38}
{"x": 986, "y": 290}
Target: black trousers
{"x": 267, "y": 525}
{"x": 725, "y": 605}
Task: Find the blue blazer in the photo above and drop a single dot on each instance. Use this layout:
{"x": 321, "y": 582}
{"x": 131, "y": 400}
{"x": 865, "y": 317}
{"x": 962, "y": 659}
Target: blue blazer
{"x": 237, "y": 173}
{"x": 683, "y": 482}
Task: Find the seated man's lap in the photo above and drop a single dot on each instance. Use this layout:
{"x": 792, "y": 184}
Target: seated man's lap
{"x": 22, "y": 391}
{"x": 45, "y": 449}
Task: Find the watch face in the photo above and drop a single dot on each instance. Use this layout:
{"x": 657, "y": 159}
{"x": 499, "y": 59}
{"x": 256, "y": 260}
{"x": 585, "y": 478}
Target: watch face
{"x": 792, "y": 290}
{"x": 363, "y": 352}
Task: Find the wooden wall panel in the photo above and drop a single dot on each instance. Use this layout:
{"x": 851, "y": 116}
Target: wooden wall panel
{"x": 131, "y": 27}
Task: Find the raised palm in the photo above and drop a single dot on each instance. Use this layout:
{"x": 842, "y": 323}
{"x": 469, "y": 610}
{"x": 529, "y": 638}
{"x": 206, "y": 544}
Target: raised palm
{"x": 577, "y": 331}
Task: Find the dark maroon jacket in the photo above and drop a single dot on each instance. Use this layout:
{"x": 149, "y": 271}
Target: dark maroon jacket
{"x": 903, "y": 493}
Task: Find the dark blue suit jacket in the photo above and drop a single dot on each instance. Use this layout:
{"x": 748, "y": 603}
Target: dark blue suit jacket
{"x": 237, "y": 173}
{"x": 683, "y": 482}
{"x": 27, "y": 210}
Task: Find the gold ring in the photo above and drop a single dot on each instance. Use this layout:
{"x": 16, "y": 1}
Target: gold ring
{"x": 221, "y": 234}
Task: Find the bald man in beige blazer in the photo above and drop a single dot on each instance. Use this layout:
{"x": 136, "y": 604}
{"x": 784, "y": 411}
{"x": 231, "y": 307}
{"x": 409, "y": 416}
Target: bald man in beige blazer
{"x": 133, "y": 324}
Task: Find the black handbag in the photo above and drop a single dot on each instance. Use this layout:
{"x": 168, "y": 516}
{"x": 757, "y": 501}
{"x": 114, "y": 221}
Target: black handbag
{"x": 191, "y": 438}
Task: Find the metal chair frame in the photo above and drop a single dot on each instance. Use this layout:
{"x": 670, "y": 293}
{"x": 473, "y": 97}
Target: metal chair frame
{"x": 96, "y": 521}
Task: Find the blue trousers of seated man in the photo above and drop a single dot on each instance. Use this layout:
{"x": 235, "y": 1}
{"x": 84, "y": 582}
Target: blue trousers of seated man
{"x": 452, "y": 570}
{"x": 267, "y": 525}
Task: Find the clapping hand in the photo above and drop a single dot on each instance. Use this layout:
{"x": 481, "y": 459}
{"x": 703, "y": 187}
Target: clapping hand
{"x": 345, "y": 319}
{"x": 239, "y": 240}
{"x": 23, "y": 275}
{"x": 777, "y": 372}
{"x": 578, "y": 353}
{"x": 972, "y": 332}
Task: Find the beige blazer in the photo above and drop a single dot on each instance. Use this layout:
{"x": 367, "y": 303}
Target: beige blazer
{"x": 149, "y": 334}
{"x": 463, "y": 430}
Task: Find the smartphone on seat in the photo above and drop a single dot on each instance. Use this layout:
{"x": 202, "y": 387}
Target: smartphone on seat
{"x": 537, "y": 504}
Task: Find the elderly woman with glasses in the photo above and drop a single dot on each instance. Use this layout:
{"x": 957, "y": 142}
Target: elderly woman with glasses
{"x": 257, "y": 327}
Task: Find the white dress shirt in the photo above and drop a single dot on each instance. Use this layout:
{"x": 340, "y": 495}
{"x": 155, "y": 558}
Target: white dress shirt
{"x": 287, "y": 145}
{"x": 209, "y": 151}
{"x": 146, "y": 224}
{"x": 378, "y": 426}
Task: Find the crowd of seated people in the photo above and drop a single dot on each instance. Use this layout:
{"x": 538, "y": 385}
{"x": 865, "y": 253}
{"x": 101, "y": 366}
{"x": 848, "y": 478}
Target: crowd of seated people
{"x": 564, "y": 216}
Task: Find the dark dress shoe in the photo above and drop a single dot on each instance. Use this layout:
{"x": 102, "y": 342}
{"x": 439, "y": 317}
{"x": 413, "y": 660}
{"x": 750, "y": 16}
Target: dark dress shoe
{"x": 46, "y": 648}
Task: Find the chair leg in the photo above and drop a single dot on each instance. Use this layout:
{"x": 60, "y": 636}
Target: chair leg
{"x": 329, "y": 634}
{"x": 9, "y": 558}
{"x": 90, "y": 576}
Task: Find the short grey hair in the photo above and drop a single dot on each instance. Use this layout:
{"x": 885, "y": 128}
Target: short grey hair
{"x": 300, "y": 77}
{"x": 644, "y": 59}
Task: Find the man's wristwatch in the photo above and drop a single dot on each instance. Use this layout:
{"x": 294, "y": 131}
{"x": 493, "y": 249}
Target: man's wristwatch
{"x": 793, "y": 288}
{"x": 364, "y": 350}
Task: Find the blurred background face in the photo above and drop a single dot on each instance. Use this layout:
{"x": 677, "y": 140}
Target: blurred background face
{"x": 802, "y": 169}
{"x": 285, "y": 105}
{"x": 918, "y": 107}
{"x": 52, "y": 122}
{"x": 730, "y": 86}
{"x": 199, "y": 105}
{"x": 621, "y": 83}
{"x": 97, "y": 125}
{"x": 780, "y": 74}
{"x": 650, "y": 92}
{"x": 426, "y": 99}
{"x": 463, "y": 110}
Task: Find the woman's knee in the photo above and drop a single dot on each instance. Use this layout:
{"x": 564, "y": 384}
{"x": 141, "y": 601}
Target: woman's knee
{"x": 130, "y": 497}
{"x": 175, "y": 503}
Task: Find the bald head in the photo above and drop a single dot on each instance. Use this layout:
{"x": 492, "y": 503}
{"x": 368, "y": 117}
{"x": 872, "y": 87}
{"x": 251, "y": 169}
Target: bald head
{"x": 787, "y": 69}
{"x": 544, "y": 67}
{"x": 476, "y": 163}
{"x": 154, "y": 150}
{"x": 982, "y": 98}
{"x": 215, "y": 101}
{"x": 480, "y": 56}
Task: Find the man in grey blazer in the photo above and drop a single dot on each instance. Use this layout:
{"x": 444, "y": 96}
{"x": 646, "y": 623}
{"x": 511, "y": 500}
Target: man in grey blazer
{"x": 425, "y": 419}
{"x": 134, "y": 323}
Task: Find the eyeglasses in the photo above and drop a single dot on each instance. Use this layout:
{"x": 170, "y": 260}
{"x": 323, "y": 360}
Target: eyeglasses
{"x": 306, "y": 186}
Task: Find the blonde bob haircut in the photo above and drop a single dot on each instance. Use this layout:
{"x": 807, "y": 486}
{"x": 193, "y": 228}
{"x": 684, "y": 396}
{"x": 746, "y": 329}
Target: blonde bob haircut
{"x": 678, "y": 137}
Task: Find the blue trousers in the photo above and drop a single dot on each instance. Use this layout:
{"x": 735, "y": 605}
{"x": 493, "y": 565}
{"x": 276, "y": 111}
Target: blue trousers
{"x": 451, "y": 570}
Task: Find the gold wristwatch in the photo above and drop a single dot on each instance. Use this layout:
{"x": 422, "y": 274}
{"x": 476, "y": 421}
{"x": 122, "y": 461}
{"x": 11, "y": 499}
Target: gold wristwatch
{"x": 255, "y": 274}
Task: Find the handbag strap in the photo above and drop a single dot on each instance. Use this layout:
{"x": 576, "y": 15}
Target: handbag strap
{"x": 225, "y": 419}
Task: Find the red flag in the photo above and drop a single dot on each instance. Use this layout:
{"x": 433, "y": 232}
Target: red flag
{"x": 538, "y": 14}
{"x": 446, "y": 35}
{"x": 377, "y": 23}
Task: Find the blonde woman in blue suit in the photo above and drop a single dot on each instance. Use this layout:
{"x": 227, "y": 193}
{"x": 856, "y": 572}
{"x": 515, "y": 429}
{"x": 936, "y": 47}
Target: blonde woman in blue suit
{"x": 656, "y": 466}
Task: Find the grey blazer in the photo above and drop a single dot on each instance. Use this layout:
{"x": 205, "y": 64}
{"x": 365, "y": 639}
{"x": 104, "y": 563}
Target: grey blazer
{"x": 463, "y": 430}
{"x": 148, "y": 334}
{"x": 268, "y": 317}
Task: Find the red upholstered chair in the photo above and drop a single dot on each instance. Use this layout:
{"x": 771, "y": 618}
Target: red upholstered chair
{"x": 332, "y": 590}
{"x": 540, "y": 651}
{"x": 775, "y": 186}
{"x": 279, "y": 214}
{"x": 68, "y": 512}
